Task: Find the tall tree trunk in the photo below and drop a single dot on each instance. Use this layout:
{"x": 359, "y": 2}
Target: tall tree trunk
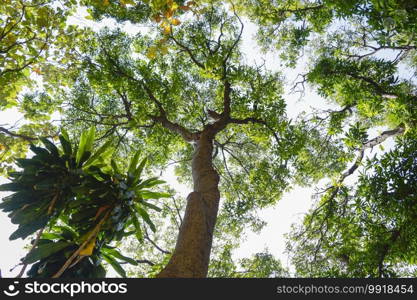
{"x": 192, "y": 251}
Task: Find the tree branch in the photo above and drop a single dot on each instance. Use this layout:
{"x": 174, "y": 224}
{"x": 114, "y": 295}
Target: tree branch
{"x": 35, "y": 243}
{"x": 188, "y": 50}
{"x": 22, "y": 136}
{"x": 145, "y": 261}
{"x": 384, "y": 135}
{"x": 17, "y": 135}
{"x": 127, "y": 105}
{"x": 162, "y": 118}
{"x": 146, "y": 236}
{"x": 226, "y": 99}
{"x": 334, "y": 189}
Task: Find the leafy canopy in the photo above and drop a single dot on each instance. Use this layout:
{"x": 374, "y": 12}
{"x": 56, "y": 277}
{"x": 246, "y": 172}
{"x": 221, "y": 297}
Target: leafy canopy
{"x": 156, "y": 89}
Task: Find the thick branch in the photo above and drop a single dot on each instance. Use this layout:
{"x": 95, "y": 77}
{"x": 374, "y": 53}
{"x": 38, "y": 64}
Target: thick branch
{"x": 176, "y": 128}
{"x": 226, "y": 99}
{"x": 17, "y": 135}
{"x": 163, "y": 120}
{"x": 127, "y": 105}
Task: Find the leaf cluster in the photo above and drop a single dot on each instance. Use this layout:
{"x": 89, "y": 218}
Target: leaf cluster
{"x": 82, "y": 204}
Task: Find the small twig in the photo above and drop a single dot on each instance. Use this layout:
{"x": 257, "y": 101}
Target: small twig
{"x": 141, "y": 261}
{"x": 178, "y": 210}
{"x": 154, "y": 244}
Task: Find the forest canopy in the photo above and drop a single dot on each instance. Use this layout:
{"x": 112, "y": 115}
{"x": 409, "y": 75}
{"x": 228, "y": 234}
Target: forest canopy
{"x": 114, "y": 93}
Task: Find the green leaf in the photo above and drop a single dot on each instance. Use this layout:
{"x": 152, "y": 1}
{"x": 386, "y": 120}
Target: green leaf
{"x": 66, "y": 145}
{"x": 134, "y": 162}
{"x": 114, "y": 166}
{"x": 138, "y": 171}
{"x": 67, "y": 232}
{"x": 47, "y": 184}
{"x": 50, "y": 146}
{"x": 28, "y": 162}
{"x": 98, "y": 272}
{"x": 65, "y": 135}
{"x": 26, "y": 230}
{"x": 136, "y": 223}
{"x": 90, "y": 139}
{"x": 116, "y": 266}
{"x": 29, "y": 213}
{"x": 97, "y": 154}
{"x": 41, "y": 152}
{"x": 150, "y": 205}
{"x": 51, "y": 236}
{"x": 85, "y": 146}
{"x": 145, "y": 217}
{"x": 152, "y": 195}
{"x": 45, "y": 250}
{"x": 14, "y": 187}
{"x": 118, "y": 255}
{"x": 149, "y": 182}
{"x": 84, "y": 214}
{"x": 17, "y": 200}
{"x": 81, "y": 147}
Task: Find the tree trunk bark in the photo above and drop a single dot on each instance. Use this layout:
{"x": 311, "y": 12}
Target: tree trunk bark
{"x": 192, "y": 251}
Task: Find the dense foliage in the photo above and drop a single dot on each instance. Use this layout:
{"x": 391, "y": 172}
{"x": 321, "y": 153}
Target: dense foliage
{"x": 163, "y": 76}
{"x": 81, "y": 206}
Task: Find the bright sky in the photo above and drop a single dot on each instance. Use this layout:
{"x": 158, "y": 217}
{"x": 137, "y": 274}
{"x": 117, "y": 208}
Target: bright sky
{"x": 289, "y": 210}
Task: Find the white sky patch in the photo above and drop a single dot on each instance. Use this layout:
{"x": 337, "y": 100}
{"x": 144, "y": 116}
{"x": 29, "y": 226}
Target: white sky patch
{"x": 11, "y": 251}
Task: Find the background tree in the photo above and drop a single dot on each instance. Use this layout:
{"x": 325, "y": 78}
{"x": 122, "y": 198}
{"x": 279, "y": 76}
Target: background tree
{"x": 34, "y": 37}
{"x": 35, "y": 41}
{"x": 367, "y": 230}
{"x": 260, "y": 265}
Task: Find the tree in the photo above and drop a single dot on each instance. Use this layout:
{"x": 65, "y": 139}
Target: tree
{"x": 359, "y": 48}
{"x": 368, "y": 230}
{"x": 215, "y": 102}
{"x": 260, "y": 265}
{"x": 184, "y": 94}
{"x": 33, "y": 37}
